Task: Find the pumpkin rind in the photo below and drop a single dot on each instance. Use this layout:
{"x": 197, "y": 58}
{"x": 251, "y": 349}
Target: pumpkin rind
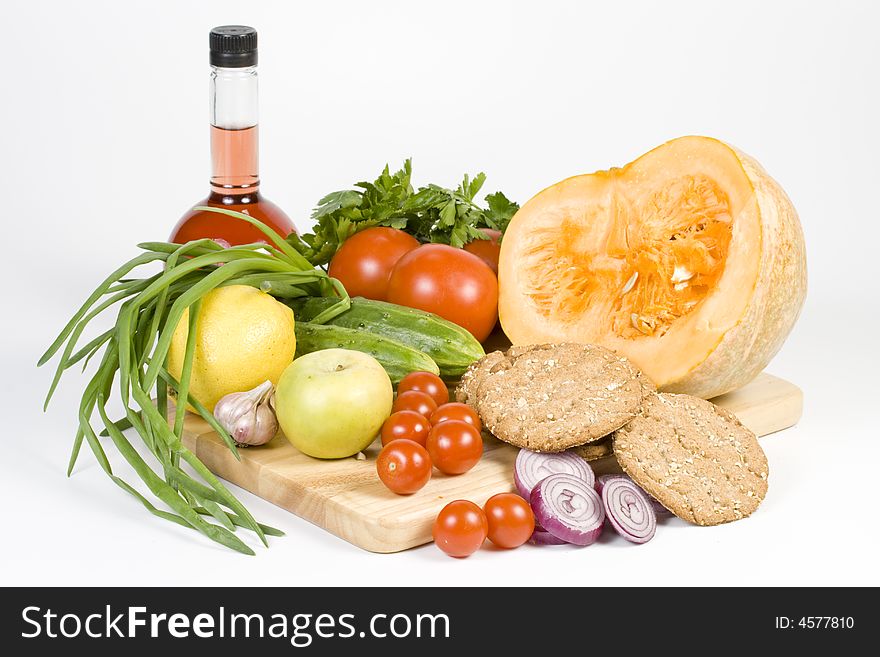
{"x": 775, "y": 304}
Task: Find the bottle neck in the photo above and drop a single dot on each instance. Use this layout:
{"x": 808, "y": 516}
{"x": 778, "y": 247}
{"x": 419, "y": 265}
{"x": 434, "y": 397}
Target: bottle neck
{"x": 234, "y": 140}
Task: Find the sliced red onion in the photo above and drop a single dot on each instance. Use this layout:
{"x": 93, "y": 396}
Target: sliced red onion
{"x": 628, "y": 509}
{"x": 659, "y": 509}
{"x": 602, "y": 479}
{"x": 542, "y": 537}
{"x": 568, "y": 508}
{"x": 531, "y": 467}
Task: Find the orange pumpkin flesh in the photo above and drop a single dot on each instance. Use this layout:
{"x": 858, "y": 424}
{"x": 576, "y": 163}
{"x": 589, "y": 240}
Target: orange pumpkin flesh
{"x": 690, "y": 261}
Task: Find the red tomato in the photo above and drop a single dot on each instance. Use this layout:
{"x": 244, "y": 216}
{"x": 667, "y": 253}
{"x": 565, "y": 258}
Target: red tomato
{"x": 511, "y": 520}
{"x": 364, "y": 261}
{"x": 404, "y": 466}
{"x": 449, "y": 282}
{"x": 426, "y": 382}
{"x": 455, "y": 446}
{"x": 413, "y": 400}
{"x": 487, "y": 250}
{"x": 460, "y": 528}
{"x": 456, "y": 411}
{"x": 408, "y": 425}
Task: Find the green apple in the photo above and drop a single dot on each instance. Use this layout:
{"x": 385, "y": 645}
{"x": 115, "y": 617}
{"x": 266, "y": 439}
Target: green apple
{"x": 332, "y": 403}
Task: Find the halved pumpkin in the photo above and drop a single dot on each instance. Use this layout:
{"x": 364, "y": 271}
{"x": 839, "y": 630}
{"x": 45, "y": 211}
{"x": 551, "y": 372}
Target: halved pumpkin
{"x": 689, "y": 260}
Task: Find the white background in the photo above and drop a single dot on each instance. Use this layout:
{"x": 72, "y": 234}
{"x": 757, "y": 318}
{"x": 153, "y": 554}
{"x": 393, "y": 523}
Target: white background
{"x": 105, "y": 143}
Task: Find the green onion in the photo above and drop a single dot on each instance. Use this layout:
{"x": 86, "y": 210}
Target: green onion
{"x": 133, "y": 367}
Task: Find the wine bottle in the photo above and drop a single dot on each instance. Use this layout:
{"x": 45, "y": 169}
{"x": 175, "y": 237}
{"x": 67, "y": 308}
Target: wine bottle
{"x": 235, "y": 179}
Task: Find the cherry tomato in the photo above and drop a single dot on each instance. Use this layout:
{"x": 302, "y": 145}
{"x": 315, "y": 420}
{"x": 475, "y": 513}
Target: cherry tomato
{"x": 449, "y": 282}
{"x": 460, "y": 528}
{"x": 487, "y": 250}
{"x": 511, "y": 520}
{"x": 413, "y": 400}
{"x": 426, "y": 382}
{"x": 455, "y": 446}
{"x": 404, "y": 466}
{"x": 456, "y": 411}
{"x": 364, "y": 262}
{"x": 408, "y": 425}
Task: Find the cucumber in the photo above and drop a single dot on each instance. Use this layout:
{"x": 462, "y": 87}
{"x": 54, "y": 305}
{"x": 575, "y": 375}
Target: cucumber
{"x": 450, "y": 346}
{"x": 398, "y": 359}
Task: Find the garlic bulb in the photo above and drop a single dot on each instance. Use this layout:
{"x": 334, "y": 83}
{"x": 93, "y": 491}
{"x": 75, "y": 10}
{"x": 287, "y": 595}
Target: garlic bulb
{"x": 249, "y": 417}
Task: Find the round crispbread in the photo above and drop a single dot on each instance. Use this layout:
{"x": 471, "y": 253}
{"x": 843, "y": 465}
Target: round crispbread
{"x": 594, "y": 451}
{"x": 696, "y": 458}
{"x": 472, "y": 377}
{"x": 549, "y": 398}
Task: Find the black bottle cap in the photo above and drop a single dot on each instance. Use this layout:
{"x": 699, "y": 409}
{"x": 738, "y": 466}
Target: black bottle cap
{"x": 233, "y": 46}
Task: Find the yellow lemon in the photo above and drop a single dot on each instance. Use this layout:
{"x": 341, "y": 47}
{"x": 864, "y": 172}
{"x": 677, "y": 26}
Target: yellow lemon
{"x": 244, "y": 337}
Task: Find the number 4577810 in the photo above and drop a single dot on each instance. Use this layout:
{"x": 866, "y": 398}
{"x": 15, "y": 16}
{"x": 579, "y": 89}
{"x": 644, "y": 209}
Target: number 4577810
{"x": 816, "y": 623}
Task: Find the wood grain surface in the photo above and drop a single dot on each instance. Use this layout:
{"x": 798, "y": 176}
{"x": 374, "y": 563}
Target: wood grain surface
{"x": 346, "y": 498}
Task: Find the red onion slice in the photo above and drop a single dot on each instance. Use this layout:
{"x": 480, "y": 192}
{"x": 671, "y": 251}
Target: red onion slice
{"x": 541, "y": 537}
{"x": 659, "y": 509}
{"x": 602, "y": 479}
{"x": 628, "y": 509}
{"x": 531, "y": 467}
{"x": 568, "y": 508}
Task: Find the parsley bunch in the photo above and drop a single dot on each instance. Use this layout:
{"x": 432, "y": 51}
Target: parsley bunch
{"x": 430, "y": 214}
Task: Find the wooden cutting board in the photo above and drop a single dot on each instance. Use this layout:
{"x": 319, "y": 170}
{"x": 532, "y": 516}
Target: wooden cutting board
{"x": 346, "y": 498}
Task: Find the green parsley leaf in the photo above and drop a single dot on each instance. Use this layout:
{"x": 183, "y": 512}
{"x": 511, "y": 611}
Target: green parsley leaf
{"x": 431, "y": 214}
{"x": 500, "y": 212}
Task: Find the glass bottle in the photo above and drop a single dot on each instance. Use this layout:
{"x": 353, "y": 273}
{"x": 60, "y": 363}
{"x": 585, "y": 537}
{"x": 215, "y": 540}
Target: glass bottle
{"x": 235, "y": 180}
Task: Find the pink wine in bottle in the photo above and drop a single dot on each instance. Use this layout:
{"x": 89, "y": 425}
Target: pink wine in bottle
{"x": 235, "y": 179}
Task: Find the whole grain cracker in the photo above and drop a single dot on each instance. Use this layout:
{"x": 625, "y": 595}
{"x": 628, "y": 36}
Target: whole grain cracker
{"x": 594, "y": 451}
{"x": 472, "y": 377}
{"x": 551, "y": 397}
{"x": 696, "y": 458}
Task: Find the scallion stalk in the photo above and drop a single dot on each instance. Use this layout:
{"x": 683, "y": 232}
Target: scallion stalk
{"x": 133, "y": 366}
